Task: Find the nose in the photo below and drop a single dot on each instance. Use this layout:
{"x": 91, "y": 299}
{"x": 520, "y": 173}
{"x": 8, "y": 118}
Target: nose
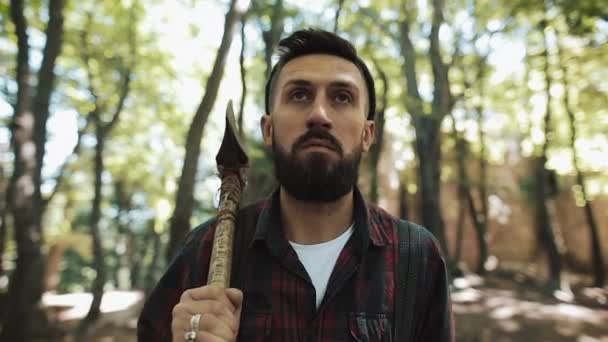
{"x": 319, "y": 114}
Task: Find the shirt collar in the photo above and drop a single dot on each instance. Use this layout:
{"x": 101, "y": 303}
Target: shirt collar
{"x": 367, "y": 227}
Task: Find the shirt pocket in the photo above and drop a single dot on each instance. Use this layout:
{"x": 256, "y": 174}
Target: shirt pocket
{"x": 365, "y": 327}
{"x": 255, "y": 326}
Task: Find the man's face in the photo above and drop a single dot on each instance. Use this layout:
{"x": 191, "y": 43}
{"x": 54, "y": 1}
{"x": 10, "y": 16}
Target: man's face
{"x": 318, "y": 127}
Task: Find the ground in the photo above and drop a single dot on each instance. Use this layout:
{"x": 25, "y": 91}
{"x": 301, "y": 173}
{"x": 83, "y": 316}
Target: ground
{"x": 505, "y": 312}
{"x": 490, "y": 309}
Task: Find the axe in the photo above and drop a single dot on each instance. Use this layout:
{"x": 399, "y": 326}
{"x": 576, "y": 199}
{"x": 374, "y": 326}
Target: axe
{"x": 232, "y": 164}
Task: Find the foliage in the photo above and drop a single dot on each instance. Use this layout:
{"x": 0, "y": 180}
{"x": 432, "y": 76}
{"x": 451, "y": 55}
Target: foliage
{"x": 144, "y": 153}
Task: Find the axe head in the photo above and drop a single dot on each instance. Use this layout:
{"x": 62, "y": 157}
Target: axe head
{"x": 231, "y": 156}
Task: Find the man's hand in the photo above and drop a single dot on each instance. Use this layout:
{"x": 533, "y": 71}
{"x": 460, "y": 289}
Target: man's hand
{"x": 220, "y": 311}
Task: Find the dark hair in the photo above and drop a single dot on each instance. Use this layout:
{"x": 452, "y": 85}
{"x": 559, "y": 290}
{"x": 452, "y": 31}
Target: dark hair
{"x": 317, "y": 41}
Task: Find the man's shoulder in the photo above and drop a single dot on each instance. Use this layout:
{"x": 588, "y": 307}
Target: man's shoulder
{"x": 382, "y": 218}
{"x": 428, "y": 242}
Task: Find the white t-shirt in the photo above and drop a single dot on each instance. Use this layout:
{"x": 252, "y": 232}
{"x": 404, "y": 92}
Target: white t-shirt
{"x": 319, "y": 260}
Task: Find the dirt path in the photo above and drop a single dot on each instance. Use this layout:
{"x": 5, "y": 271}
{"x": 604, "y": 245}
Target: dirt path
{"x": 507, "y": 313}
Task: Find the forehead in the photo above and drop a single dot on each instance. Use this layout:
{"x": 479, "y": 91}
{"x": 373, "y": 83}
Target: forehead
{"x": 321, "y": 69}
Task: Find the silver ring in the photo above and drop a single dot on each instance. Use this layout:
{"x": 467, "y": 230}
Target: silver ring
{"x": 194, "y": 321}
{"x": 190, "y": 336}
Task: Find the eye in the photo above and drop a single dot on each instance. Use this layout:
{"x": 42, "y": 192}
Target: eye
{"x": 299, "y": 95}
{"x": 343, "y": 97}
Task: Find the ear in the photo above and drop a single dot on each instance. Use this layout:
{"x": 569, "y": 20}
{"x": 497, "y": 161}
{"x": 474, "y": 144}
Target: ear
{"x": 369, "y": 134}
{"x": 266, "y": 126}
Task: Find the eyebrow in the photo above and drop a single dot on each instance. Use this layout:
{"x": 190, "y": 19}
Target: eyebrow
{"x": 332, "y": 84}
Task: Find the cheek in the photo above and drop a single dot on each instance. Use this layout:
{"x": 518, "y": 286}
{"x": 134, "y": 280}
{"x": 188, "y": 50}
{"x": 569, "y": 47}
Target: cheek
{"x": 284, "y": 135}
{"x": 354, "y": 133}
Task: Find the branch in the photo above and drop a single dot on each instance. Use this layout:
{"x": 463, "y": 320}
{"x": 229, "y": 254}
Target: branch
{"x": 414, "y": 101}
{"x": 441, "y": 86}
{"x": 124, "y": 92}
{"x": 23, "y": 69}
{"x": 60, "y": 177}
{"x": 272, "y": 36}
{"x": 243, "y": 75}
{"x": 126, "y": 80}
{"x": 384, "y": 80}
{"x": 52, "y": 48}
{"x": 380, "y": 119}
{"x": 86, "y": 57}
{"x": 377, "y": 22}
{"x": 337, "y": 17}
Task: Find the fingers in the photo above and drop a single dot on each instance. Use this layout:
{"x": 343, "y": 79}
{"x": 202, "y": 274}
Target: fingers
{"x": 208, "y": 292}
{"x": 220, "y": 311}
{"x": 204, "y": 336}
{"x": 215, "y": 326}
{"x": 203, "y": 307}
{"x": 235, "y": 296}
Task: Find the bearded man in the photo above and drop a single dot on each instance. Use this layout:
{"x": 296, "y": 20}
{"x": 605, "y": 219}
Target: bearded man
{"x": 314, "y": 261}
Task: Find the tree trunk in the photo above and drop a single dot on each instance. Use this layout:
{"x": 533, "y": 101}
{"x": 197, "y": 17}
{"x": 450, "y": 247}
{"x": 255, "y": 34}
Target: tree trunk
{"x": 3, "y": 224}
{"x": 404, "y": 211}
{"x": 463, "y": 187}
{"x": 151, "y": 276}
{"x": 597, "y": 258}
{"x": 28, "y": 140}
{"x": 481, "y": 233}
{"x": 543, "y": 218}
{"x": 459, "y": 230}
{"x": 138, "y": 257}
{"x": 184, "y": 202}
{"x": 102, "y": 131}
{"x": 427, "y": 125}
{"x": 482, "y": 217}
{"x": 376, "y": 149}
{"x": 98, "y": 260}
{"x": 123, "y": 236}
{"x": 466, "y": 202}
{"x": 428, "y": 149}
{"x": 543, "y": 223}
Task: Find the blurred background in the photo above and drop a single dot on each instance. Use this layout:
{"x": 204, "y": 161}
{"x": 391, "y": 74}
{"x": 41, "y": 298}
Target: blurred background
{"x": 492, "y": 133}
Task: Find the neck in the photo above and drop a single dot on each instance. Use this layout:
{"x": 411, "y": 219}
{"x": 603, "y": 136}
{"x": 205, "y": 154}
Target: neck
{"x": 310, "y": 223}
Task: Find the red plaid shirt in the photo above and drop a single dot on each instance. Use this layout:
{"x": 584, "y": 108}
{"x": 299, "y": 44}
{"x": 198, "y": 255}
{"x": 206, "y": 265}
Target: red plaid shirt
{"x": 279, "y": 297}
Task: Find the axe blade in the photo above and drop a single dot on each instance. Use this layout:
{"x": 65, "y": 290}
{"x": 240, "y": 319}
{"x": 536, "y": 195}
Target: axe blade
{"x": 231, "y": 155}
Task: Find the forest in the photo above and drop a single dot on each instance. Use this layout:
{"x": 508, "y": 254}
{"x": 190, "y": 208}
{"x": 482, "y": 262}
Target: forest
{"x": 491, "y": 132}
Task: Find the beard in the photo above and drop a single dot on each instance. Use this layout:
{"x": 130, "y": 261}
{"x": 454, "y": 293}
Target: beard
{"x": 315, "y": 177}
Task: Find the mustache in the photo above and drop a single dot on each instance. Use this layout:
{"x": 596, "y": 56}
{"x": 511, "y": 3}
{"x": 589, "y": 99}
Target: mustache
{"x": 321, "y": 134}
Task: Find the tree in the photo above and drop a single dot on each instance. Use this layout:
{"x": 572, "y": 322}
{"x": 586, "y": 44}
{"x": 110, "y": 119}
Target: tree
{"x": 103, "y": 125}
{"x": 427, "y": 122}
{"x": 184, "y": 202}
{"x": 597, "y": 259}
{"x": 376, "y": 149}
{"x": 466, "y": 203}
{"x": 271, "y": 25}
{"x": 543, "y": 178}
{"x": 28, "y": 140}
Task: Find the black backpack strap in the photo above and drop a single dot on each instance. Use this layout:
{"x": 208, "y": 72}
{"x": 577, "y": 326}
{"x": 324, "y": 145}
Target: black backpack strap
{"x": 408, "y": 268}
